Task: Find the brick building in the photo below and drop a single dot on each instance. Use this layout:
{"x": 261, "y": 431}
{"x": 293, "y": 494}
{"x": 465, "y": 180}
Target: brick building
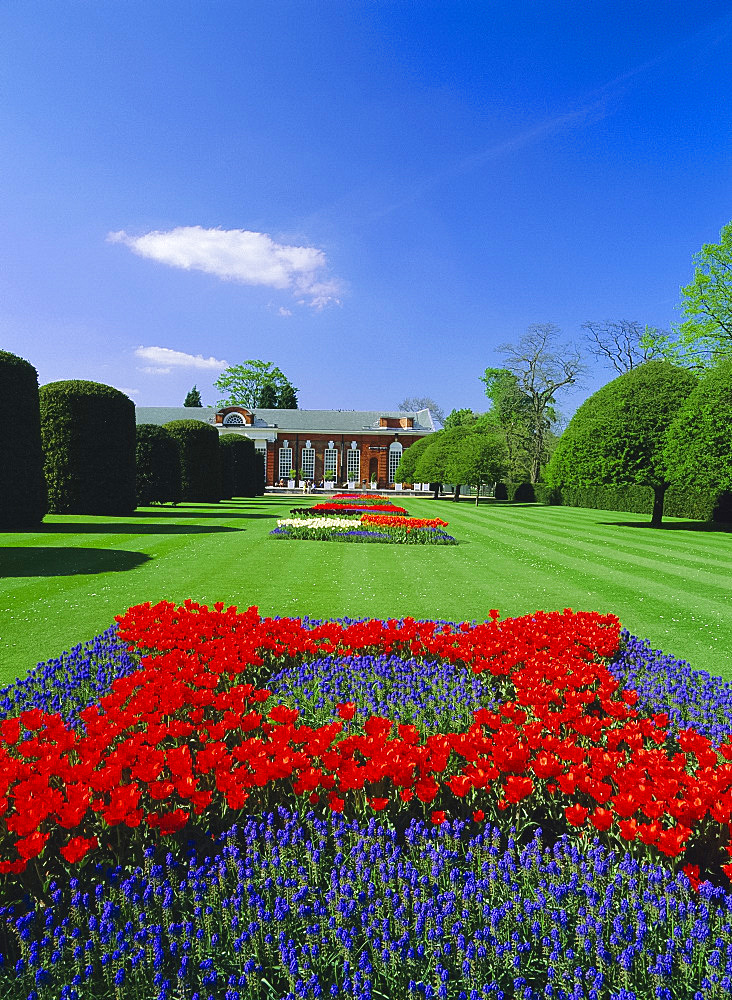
{"x": 354, "y": 446}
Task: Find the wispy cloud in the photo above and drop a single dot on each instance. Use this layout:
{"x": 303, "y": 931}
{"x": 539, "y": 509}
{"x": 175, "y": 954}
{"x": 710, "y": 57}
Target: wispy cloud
{"x": 162, "y": 360}
{"x": 239, "y": 255}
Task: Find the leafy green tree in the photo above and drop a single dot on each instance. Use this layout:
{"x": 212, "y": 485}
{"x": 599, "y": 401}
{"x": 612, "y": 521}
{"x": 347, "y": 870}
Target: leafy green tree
{"x": 542, "y": 366}
{"x": 23, "y": 494}
{"x": 617, "y": 437}
{"x": 244, "y": 384}
{"x": 434, "y": 462}
{"x": 459, "y": 418}
{"x": 193, "y": 398}
{"x": 511, "y": 410}
{"x": 707, "y": 301}
{"x": 698, "y": 447}
{"x": 481, "y": 456}
{"x": 406, "y": 470}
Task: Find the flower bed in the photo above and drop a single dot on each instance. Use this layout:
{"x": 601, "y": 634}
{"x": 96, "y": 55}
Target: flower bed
{"x": 363, "y": 801}
{"x": 364, "y": 528}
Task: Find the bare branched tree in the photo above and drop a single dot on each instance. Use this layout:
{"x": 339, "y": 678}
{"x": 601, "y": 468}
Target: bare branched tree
{"x": 624, "y": 344}
{"x": 542, "y": 367}
{"x": 414, "y": 403}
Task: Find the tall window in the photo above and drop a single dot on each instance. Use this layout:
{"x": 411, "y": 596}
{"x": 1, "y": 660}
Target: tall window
{"x": 308, "y": 463}
{"x": 285, "y": 463}
{"x": 330, "y": 464}
{"x": 353, "y": 464}
{"x": 395, "y": 455}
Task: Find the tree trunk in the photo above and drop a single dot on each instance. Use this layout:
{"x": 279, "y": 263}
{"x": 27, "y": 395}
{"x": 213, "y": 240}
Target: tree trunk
{"x": 477, "y": 494}
{"x": 456, "y": 494}
{"x": 435, "y": 490}
{"x": 659, "y": 493}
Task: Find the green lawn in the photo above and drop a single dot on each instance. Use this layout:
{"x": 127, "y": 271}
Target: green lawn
{"x": 64, "y": 582}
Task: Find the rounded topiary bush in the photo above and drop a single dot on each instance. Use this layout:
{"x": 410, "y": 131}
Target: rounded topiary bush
{"x": 200, "y": 460}
{"x": 698, "y": 448}
{"x": 23, "y": 497}
{"x": 158, "y": 466}
{"x": 88, "y": 434}
{"x": 238, "y": 460}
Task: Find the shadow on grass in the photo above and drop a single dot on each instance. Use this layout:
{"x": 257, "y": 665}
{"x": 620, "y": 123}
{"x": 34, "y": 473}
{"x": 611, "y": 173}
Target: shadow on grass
{"x": 123, "y": 528}
{"x": 66, "y": 561}
{"x": 712, "y": 526}
{"x": 193, "y": 510}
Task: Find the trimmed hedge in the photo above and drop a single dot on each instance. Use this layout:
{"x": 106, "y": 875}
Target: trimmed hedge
{"x": 23, "y": 493}
{"x": 200, "y": 460}
{"x": 88, "y": 435}
{"x": 238, "y": 472}
{"x": 694, "y": 503}
{"x": 158, "y": 466}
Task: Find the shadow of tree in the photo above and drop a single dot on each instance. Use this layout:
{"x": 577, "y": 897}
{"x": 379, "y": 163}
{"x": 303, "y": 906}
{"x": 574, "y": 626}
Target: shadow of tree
{"x": 713, "y": 526}
{"x": 17, "y": 561}
{"x": 123, "y": 528}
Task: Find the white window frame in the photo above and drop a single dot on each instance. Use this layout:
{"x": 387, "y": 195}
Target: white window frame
{"x": 307, "y": 463}
{"x": 395, "y": 453}
{"x": 330, "y": 464}
{"x": 285, "y": 463}
{"x": 353, "y": 465}
{"x": 234, "y": 420}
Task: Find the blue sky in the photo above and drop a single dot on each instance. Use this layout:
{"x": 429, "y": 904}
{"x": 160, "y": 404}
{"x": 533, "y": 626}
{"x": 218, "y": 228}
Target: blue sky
{"x": 372, "y": 195}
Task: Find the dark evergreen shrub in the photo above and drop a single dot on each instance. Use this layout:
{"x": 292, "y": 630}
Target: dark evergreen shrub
{"x": 88, "y": 434}
{"x": 158, "y": 466}
{"x": 257, "y": 485}
{"x": 501, "y": 491}
{"x": 23, "y": 496}
{"x": 522, "y": 493}
{"x": 200, "y": 460}
{"x": 238, "y": 456}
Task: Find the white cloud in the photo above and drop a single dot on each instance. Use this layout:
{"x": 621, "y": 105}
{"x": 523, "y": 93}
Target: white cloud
{"x": 162, "y": 360}
{"x": 243, "y": 256}
{"x": 284, "y": 312}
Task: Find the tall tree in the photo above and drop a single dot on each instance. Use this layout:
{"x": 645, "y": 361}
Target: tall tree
{"x": 268, "y": 397}
{"x": 193, "y": 398}
{"x": 481, "y": 457}
{"x": 617, "y": 437}
{"x": 542, "y": 367}
{"x": 414, "y": 403}
{"x": 623, "y": 344}
{"x": 406, "y": 470}
{"x": 244, "y": 384}
{"x": 511, "y": 410}
{"x": 707, "y": 301}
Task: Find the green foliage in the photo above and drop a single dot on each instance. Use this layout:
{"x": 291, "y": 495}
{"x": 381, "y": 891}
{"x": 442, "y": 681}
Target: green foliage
{"x": 268, "y": 397}
{"x": 23, "y": 495}
{"x": 694, "y": 503}
{"x": 200, "y": 460}
{"x": 239, "y": 468}
{"x": 433, "y": 463}
{"x": 707, "y": 301}
{"x": 287, "y": 397}
{"x": 459, "y": 418}
{"x": 193, "y": 398}
{"x": 88, "y": 435}
{"x": 158, "y": 466}
{"x": 406, "y": 470}
{"x": 617, "y": 436}
{"x": 698, "y": 448}
{"x": 244, "y": 385}
{"x": 469, "y": 455}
